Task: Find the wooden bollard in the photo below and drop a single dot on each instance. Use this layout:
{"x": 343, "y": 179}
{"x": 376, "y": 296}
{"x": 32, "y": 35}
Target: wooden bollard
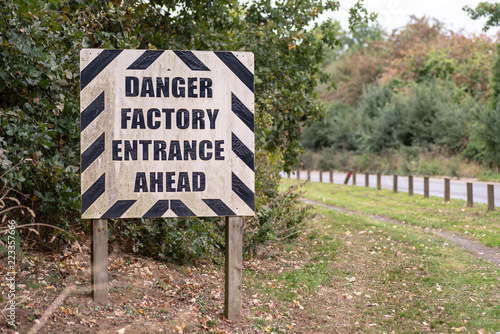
{"x": 99, "y": 261}
{"x": 331, "y": 175}
{"x": 446, "y": 189}
{"x": 347, "y": 177}
{"x": 320, "y": 175}
{"x": 367, "y": 179}
{"x": 308, "y": 174}
{"x": 395, "y": 184}
{"x": 470, "y": 202}
{"x": 353, "y": 177}
{"x": 491, "y": 198}
{"x": 410, "y": 185}
{"x": 379, "y": 181}
{"x": 426, "y": 187}
{"x": 298, "y": 173}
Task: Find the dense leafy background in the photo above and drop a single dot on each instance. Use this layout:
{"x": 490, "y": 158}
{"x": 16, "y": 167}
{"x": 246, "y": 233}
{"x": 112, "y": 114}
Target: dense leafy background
{"x": 421, "y": 88}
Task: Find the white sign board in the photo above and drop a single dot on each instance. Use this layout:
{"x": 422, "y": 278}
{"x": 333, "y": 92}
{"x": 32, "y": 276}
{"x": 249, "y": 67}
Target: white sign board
{"x": 166, "y": 133}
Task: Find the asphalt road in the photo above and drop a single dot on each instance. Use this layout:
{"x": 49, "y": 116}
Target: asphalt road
{"x": 458, "y": 188}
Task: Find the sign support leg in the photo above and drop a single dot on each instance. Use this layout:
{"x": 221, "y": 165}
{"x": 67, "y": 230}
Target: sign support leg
{"x": 99, "y": 259}
{"x": 233, "y": 268}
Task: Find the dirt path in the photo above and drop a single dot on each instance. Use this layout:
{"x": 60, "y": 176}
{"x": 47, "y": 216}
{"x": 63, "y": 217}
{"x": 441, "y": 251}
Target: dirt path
{"x": 478, "y": 250}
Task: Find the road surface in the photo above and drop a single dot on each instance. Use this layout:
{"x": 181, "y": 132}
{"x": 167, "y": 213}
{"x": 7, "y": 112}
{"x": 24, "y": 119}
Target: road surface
{"x": 458, "y": 188}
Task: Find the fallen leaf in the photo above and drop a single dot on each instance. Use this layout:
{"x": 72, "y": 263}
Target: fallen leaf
{"x": 296, "y": 302}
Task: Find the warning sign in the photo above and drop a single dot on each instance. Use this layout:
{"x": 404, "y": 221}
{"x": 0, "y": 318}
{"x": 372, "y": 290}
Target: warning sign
{"x": 166, "y": 133}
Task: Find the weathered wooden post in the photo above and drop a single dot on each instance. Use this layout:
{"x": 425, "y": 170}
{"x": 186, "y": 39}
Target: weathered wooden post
{"x": 470, "y": 202}
{"x": 99, "y": 261}
{"x": 233, "y": 268}
{"x": 347, "y": 177}
{"x": 367, "y": 179}
{"x": 331, "y": 175}
{"x": 379, "y": 181}
{"x": 446, "y": 189}
{"x": 426, "y": 187}
{"x": 308, "y": 174}
{"x": 394, "y": 183}
{"x": 354, "y": 177}
{"x": 491, "y": 197}
{"x": 320, "y": 175}
{"x": 410, "y": 185}
{"x": 298, "y": 173}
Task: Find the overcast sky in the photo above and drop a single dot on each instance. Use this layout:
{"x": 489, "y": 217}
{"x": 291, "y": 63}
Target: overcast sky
{"x": 396, "y": 13}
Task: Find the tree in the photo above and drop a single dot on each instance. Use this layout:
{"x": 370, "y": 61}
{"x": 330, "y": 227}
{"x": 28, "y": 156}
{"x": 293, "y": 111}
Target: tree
{"x": 489, "y": 128}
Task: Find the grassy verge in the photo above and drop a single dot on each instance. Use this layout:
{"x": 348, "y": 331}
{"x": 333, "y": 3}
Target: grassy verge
{"x": 489, "y": 176}
{"x": 409, "y": 161}
{"x": 475, "y": 222}
{"x": 355, "y": 274}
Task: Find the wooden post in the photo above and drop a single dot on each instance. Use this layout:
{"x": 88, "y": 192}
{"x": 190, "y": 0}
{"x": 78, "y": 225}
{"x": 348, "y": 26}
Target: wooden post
{"x": 354, "y": 177}
{"x": 320, "y": 175}
{"x": 394, "y": 183}
{"x": 233, "y": 268}
{"x": 491, "y": 198}
{"x": 446, "y": 189}
{"x": 470, "y": 202}
{"x": 298, "y": 173}
{"x": 347, "y": 177}
{"x": 331, "y": 175}
{"x": 379, "y": 181}
{"x": 410, "y": 185}
{"x": 308, "y": 174}
{"x": 99, "y": 260}
{"x": 426, "y": 187}
{"x": 367, "y": 179}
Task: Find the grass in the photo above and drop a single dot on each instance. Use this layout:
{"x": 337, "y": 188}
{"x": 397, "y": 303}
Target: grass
{"x": 489, "y": 176}
{"x": 475, "y": 222}
{"x": 356, "y": 274}
{"x": 407, "y": 161}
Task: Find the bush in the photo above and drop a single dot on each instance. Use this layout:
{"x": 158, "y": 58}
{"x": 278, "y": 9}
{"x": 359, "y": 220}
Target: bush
{"x": 340, "y": 129}
{"x": 280, "y": 219}
{"x": 179, "y": 239}
{"x": 39, "y": 105}
{"x": 422, "y": 114}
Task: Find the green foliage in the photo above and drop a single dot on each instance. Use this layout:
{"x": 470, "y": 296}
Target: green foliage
{"x": 488, "y": 10}
{"x": 488, "y": 127}
{"x": 487, "y": 134}
{"x": 39, "y": 108}
{"x": 339, "y": 129}
{"x": 424, "y": 114}
{"x": 280, "y": 215}
{"x": 180, "y": 239}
